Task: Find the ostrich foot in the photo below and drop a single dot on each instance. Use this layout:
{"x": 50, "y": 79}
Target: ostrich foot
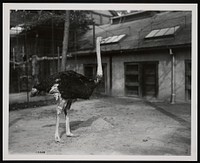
{"x": 57, "y": 139}
{"x": 71, "y": 135}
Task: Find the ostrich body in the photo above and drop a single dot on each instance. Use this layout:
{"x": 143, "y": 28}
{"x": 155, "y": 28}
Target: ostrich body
{"x": 66, "y": 87}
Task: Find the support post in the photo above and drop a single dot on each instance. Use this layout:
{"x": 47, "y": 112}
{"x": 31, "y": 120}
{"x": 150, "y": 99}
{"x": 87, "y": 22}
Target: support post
{"x": 52, "y": 43}
{"x": 110, "y": 65}
{"x": 94, "y": 45}
{"x": 27, "y": 65}
{"x": 172, "y": 77}
{"x": 14, "y": 58}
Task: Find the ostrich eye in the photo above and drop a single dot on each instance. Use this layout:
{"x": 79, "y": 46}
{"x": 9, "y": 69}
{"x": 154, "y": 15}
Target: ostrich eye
{"x": 57, "y": 80}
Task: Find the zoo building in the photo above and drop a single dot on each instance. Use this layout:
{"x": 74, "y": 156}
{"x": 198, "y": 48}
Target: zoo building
{"x": 145, "y": 54}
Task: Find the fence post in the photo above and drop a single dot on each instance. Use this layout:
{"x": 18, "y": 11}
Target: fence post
{"x": 26, "y": 53}
{"x": 58, "y": 58}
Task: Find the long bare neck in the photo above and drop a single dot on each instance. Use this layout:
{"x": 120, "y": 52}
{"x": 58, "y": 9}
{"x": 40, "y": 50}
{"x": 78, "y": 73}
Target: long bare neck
{"x": 99, "y": 63}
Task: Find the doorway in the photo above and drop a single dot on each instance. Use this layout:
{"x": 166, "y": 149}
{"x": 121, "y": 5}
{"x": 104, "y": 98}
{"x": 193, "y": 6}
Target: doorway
{"x": 188, "y": 80}
{"x": 141, "y": 79}
{"x": 90, "y": 71}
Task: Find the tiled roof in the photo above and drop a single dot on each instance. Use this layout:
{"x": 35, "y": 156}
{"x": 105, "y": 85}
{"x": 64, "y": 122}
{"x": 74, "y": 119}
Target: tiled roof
{"x": 137, "y": 30}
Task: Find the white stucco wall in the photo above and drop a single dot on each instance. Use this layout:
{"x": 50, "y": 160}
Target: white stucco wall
{"x": 78, "y": 66}
{"x": 180, "y": 57}
{"x": 164, "y": 72}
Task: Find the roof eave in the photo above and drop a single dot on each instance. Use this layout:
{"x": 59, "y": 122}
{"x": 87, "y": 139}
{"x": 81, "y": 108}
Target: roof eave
{"x": 90, "y": 52}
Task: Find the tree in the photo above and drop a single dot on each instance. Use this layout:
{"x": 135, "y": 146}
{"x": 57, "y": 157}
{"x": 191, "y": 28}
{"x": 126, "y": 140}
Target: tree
{"x": 75, "y": 21}
{"x": 65, "y": 40}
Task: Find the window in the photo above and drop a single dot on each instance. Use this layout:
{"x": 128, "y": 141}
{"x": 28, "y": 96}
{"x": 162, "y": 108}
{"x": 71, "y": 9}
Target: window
{"x": 112, "y": 39}
{"x": 162, "y": 32}
{"x": 188, "y": 79}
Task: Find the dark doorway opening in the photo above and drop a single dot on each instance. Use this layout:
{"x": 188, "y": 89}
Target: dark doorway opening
{"x": 188, "y": 79}
{"x": 141, "y": 79}
{"x": 90, "y": 71}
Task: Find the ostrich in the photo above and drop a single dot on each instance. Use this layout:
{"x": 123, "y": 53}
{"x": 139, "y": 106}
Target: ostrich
{"x": 66, "y": 87}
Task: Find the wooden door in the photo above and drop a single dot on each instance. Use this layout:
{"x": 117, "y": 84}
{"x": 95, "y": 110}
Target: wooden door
{"x": 149, "y": 79}
{"x": 141, "y": 79}
{"x": 188, "y": 79}
{"x": 132, "y": 79}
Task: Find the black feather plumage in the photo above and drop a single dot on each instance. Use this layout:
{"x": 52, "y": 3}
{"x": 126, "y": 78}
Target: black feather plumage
{"x": 71, "y": 85}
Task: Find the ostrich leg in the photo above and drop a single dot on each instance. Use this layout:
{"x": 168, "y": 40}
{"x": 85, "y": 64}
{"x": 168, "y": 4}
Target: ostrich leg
{"x": 57, "y": 137}
{"x": 68, "y": 132}
{"x": 60, "y": 106}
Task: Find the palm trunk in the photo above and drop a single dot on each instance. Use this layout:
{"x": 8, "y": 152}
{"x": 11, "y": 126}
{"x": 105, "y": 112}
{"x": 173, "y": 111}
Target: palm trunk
{"x": 65, "y": 41}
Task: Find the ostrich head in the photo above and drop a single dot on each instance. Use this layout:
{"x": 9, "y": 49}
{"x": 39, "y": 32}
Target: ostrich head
{"x": 99, "y": 63}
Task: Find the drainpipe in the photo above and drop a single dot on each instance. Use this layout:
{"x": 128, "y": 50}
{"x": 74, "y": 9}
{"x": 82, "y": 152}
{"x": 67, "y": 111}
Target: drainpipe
{"x": 172, "y": 76}
{"x": 110, "y": 63}
{"x": 94, "y": 37}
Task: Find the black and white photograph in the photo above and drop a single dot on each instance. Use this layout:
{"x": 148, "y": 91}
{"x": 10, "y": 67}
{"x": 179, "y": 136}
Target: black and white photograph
{"x": 99, "y": 81}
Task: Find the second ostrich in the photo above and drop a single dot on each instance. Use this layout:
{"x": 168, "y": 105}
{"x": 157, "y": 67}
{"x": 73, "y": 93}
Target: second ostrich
{"x": 68, "y": 86}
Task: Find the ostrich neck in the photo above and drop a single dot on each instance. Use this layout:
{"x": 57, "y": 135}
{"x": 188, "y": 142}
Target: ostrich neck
{"x": 99, "y": 63}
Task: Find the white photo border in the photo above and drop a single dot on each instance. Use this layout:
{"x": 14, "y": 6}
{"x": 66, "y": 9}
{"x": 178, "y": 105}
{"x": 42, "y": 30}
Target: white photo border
{"x": 101, "y": 6}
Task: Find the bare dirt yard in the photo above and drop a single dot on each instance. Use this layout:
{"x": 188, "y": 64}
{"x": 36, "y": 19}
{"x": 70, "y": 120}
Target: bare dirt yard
{"x": 105, "y": 126}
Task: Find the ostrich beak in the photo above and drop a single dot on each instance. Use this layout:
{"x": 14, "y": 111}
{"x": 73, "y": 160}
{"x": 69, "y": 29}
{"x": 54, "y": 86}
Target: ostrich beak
{"x": 33, "y": 92}
{"x": 54, "y": 89}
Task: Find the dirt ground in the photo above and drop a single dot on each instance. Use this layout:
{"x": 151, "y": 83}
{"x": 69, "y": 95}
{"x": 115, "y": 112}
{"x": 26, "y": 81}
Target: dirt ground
{"x": 105, "y": 126}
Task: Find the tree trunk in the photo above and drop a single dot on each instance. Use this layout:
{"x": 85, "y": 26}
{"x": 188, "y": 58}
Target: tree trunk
{"x": 65, "y": 41}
